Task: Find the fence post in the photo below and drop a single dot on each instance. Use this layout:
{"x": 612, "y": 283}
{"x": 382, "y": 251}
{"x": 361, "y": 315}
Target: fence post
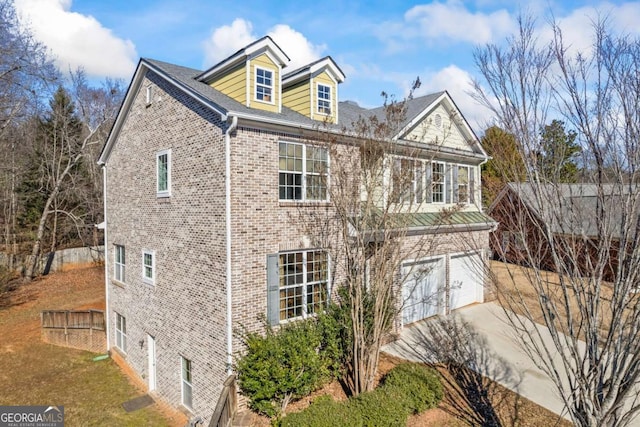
{"x": 66, "y": 325}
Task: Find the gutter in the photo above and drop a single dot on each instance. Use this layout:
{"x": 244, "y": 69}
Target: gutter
{"x": 107, "y": 310}
{"x": 227, "y": 201}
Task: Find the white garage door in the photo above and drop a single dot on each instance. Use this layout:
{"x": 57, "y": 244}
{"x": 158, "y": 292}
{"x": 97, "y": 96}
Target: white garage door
{"x": 422, "y": 289}
{"x": 465, "y": 279}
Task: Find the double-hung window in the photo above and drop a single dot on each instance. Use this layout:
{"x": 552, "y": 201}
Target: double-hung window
{"x": 121, "y": 332}
{"x": 163, "y": 173}
{"x": 324, "y": 99}
{"x": 437, "y": 182}
{"x": 464, "y": 184}
{"x": 187, "y": 386}
{"x": 304, "y": 278}
{"x": 264, "y": 85}
{"x": 403, "y": 185}
{"x": 303, "y": 172}
{"x": 149, "y": 267}
{"x": 119, "y": 263}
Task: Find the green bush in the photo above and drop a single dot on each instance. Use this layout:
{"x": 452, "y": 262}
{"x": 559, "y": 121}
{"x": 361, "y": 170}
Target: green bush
{"x": 284, "y": 365}
{"x": 324, "y": 412}
{"x": 419, "y": 385}
{"x": 407, "y": 389}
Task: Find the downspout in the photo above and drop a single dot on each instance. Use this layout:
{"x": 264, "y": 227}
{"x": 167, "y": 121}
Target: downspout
{"x": 106, "y": 258}
{"x": 227, "y": 194}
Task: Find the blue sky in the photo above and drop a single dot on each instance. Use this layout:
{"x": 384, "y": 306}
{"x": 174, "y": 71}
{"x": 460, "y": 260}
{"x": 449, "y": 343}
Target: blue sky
{"x": 380, "y": 45}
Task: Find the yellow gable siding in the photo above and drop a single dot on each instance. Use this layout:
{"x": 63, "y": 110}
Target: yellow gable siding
{"x": 447, "y": 135}
{"x": 263, "y": 61}
{"x": 233, "y": 83}
{"x": 298, "y": 98}
{"x": 323, "y": 78}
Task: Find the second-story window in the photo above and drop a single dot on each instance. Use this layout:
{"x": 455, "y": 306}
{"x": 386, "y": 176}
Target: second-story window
{"x": 465, "y": 185}
{"x": 437, "y": 182}
{"x": 119, "y": 263}
{"x": 163, "y": 173}
{"x": 303, "y": 172}
{"x": 264, "y": 85}
{"x": 324, "y": 99}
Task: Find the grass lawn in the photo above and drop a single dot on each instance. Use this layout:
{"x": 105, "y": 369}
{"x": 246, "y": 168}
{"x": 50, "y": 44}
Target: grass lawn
{"x": 36, "y": 373}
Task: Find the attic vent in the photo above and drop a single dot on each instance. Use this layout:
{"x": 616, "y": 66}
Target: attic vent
{"x": 437, "y": 120}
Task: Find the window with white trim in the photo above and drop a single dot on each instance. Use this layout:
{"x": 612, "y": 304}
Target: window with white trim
{"x": 464, "y": 184}
{"x": 304, "y": 278}
{"x": 186, "y": 382}
{"x": 119, "y": 263}
{"x": 324, "y": 99}
{"x": 264, "y": 85}
{"x": 437, "y": 182}
{"x": 149, "y": 267}
{"x": 121, "y": 332}
{"x": 163, "y": 173}
{"x": 149, "y": 95}
{"x": 303, "y": 172}
{"x": 403, "y": 183}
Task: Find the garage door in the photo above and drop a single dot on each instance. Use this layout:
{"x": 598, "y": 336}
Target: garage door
{"x": 465, "y": 279}
{"x": 422, "y": 289}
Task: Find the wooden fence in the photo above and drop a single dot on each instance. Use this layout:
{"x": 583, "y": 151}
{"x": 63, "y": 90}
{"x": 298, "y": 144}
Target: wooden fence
{"x": 227, "y": 405}
{"x": 83, "y": 329}
{"x": 66, "y": 319}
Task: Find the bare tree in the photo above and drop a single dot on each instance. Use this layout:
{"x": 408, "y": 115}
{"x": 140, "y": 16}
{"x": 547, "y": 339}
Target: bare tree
{"x": 71, "y": 129}
{"x": 375, "y": 183}
{"x": 586, "y": 235}
{"x": 25, "y": 74}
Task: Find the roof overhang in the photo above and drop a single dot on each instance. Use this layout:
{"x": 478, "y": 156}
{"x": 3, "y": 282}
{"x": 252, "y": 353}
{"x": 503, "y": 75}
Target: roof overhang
{"x": 265, "y": 44}
{"x": 446, "y": 100}
{"x": 327, "y": 63}
{"x": 136, "y": 82}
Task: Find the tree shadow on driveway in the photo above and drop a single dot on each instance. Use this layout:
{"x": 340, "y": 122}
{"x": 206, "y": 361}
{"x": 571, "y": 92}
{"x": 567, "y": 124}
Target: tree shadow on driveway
{"x": 473, "y": 371}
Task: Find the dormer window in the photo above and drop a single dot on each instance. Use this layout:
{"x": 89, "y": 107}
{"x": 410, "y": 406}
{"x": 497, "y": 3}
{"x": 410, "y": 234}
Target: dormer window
{"x": 324, "y": 99}
{"x": 264, "y": 85}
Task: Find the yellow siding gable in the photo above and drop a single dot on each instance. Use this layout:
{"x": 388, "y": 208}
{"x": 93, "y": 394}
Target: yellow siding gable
{"x": 298, "y": 97}
{"x": 265, "y": 62}
{"x": 439, "y": 127}
{"x": 324, "y": 79}
{"x": 233, "y": 83}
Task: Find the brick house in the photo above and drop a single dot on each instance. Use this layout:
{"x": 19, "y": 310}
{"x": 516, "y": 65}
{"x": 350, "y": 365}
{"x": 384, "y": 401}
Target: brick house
{"x": 203, "y": 171}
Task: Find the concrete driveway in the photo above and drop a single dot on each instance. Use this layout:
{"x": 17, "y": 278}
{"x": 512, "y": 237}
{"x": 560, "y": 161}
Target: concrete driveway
{"x": 480, "y": 337}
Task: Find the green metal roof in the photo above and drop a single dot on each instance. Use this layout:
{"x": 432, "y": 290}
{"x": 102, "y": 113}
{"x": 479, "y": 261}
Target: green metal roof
{"x": 435, "y": 219}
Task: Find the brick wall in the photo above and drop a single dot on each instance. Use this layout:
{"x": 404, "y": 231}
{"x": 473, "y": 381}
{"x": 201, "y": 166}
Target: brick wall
{"x": 185, "y": 309}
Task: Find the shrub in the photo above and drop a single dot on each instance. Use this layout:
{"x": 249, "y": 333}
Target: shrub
{"x": 324, "y": 412}
{"x": 283, "y": 365}
{"x": 408, "y": 388}
{"x": 420, "y": 386}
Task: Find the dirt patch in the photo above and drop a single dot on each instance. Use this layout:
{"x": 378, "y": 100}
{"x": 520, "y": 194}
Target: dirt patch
{"x": 36, "y": 373}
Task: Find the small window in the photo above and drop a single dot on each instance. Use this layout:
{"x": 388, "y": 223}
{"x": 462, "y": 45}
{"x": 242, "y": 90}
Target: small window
{"x": 163, "y": 173}
{"x": 437, "y": 120}
{"x": 264, "y": 85}
{"x": 187, "y": 386}
{"x": 121, "y": 332}
{"x": 149, "y": 267}
{"x": 303, "y": 172}
{"x": 119, "y": 263}
{"x": 324, "y": 99}
{"x": 149, "y": 95}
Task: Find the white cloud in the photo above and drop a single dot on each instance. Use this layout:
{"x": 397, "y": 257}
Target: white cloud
{"x": 458, "y": 83}
{"x": 452, "y": 21}
{"x": 228, "y": 39}
{"x": 77, "y": 40}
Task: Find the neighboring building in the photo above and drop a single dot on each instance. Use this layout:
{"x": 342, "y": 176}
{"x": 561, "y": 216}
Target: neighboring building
{"x": 530, "y": 215}
{"x": 204, "y": 173}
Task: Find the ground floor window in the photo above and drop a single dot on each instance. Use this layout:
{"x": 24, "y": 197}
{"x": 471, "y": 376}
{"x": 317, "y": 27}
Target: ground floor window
{"x": 303, "y": 283}
{"x": 187, "y": 387}
{"x": 121, "y": 332}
